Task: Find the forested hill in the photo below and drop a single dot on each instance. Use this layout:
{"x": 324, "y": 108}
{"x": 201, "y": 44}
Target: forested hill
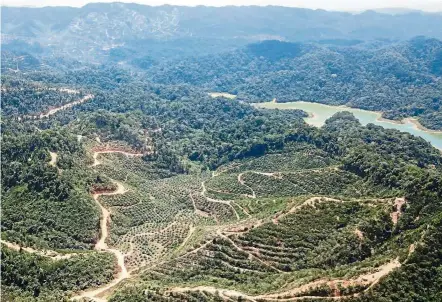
{"x": 100, "y": 31}
{"x": 402, "y": 79}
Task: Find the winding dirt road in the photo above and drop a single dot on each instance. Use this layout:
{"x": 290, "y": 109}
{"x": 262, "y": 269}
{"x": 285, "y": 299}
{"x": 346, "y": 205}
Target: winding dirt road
{"x": 294, "y": 294}
{"x": 198, "y": 211}
{"x": 242, "y": 182}
{"x": 66, "y": 106}
{"x": 311, "y": 202}
{"x": 102, "y": 246}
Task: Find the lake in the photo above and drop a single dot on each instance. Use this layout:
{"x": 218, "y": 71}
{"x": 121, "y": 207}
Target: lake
{"x": 320, "y": 112}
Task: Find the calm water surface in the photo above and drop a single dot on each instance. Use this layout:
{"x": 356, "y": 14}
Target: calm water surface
{"x": 322, "y": 112}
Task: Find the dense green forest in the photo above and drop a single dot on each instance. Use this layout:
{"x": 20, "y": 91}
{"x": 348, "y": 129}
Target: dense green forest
{"x": 400, "y": 80}
{"x": 35, "y": 278}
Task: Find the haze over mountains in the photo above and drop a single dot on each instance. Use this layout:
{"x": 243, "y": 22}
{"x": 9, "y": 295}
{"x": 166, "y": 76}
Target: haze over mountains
{"x": 96, "y": 31}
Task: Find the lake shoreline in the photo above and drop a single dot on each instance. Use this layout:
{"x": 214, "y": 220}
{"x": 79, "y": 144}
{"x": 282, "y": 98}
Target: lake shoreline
{"x": 419, "y": 126}
{"x": 318, "y": 113}
{"x": 411, "y": 120}
{"x": 404, "y": 121}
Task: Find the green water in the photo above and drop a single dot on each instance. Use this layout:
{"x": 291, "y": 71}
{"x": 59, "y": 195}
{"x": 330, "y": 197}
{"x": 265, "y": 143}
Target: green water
{"x": 322, "y": 112}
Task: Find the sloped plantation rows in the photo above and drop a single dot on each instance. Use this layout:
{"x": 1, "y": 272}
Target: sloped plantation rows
{"x": 221, "y": 212}
{"x": 146, "y": 212}
{"x": 148, "y": 247}
{"x": 321, "y": 182}
{"x": 314, "y": 241}
{"x": 306, "y": 158}
{"x": 219, "y": 261}
{"x": 322, "y": 237}
{"x": 230, "y": 182}
{"x": 227, "y": 185}
{"x": 128, "y": 169}
{"x": 154, "y": 201}
{"x": 223, "y": 258}
{"x": 128, "y": 199}
{"x": 326, "y": 181}
{"x": 266, "y": 208}
{"x": 154, "y": 216}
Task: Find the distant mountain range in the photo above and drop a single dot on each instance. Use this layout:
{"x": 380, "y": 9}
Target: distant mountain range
{"x": 397, "y": 10}
{"x": 97, "y": 32}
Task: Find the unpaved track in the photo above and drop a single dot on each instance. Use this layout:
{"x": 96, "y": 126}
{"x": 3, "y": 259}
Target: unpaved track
{"x": 248, "y": 253}
{"x": 311, "y": 201}
{"x": 66, "y": 106}
{"x": 242, "y": 209}
{"x": 53, "y": 161}
{"x": 96, "y": 294}
{"x": 277, "y": 175}
{"x": 198, "y": 211}
{"x": 222, "y": 94}
{"x": 189, "y": 234}
{"x": 370, "y": 279}
{"x": 45, "y": 253}
{"x": 296, "y": 293}
{"x": 102, "y": 246}
{"x": 242, "y": 182}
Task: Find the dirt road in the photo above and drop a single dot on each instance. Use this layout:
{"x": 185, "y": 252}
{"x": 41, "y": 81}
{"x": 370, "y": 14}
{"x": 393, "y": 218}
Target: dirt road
{"x": 45, "y": 253}
{"x": 295, "y": 293}
{"x": 102, "y": 246}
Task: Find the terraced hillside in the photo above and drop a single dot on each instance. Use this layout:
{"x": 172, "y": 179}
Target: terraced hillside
{"x": 278, "y": 246}
{"x": 306, "y": 228}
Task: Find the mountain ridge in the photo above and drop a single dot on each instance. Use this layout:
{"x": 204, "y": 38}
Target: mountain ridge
{"x": 95, "y": 29}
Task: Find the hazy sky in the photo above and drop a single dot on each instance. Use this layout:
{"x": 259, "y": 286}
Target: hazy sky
{"x": 348, "y": 5}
